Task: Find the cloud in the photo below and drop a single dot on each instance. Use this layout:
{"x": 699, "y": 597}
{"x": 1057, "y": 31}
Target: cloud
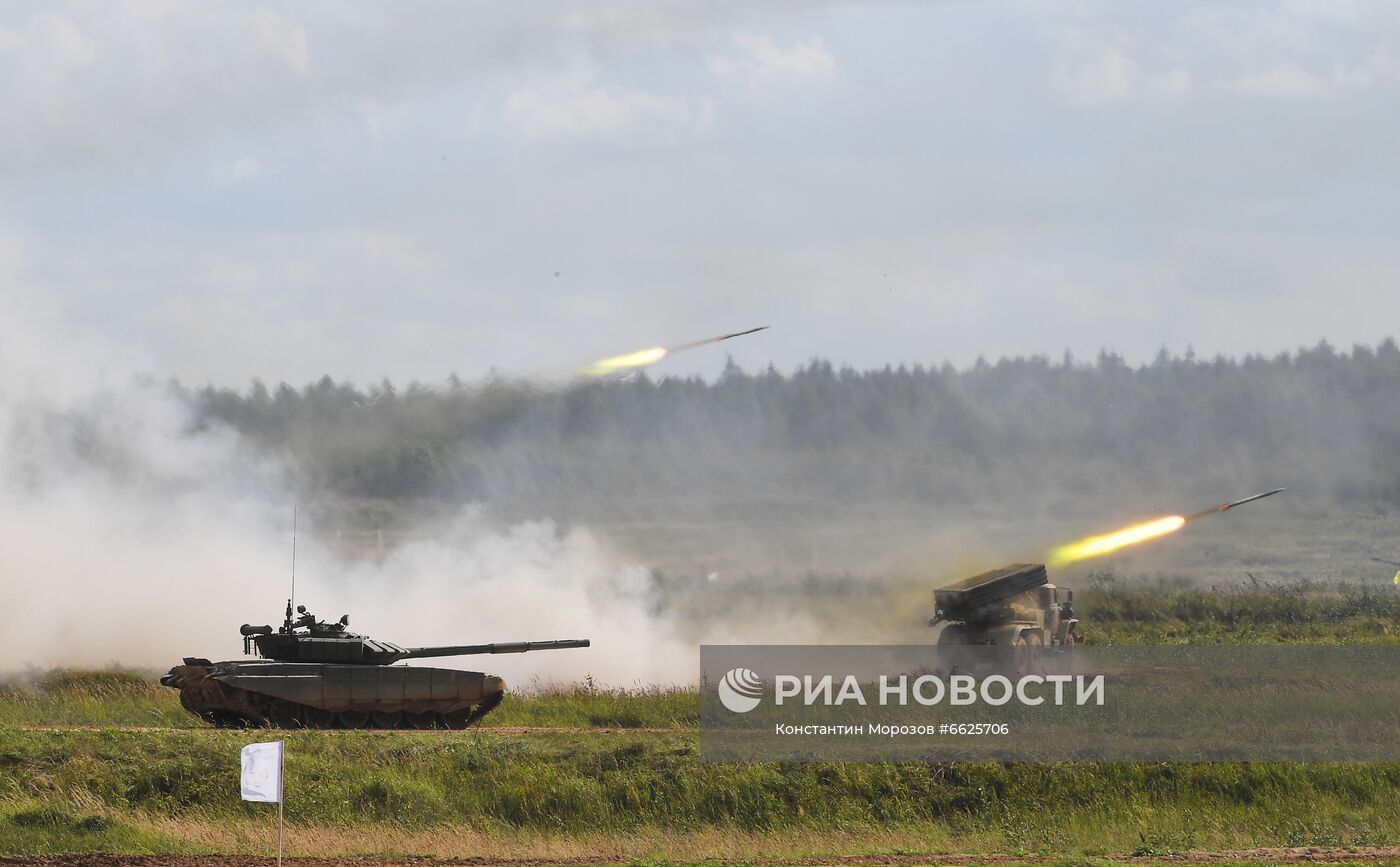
{"x": 1293, "y": 49}
{"x": 278, "y": 39}
{"x": 242, "y": 169}
{"x": 378, "y": 125}
{"x": 87, "y": 92}
{"x": 576, "y": 110}
{"x": 760, "y": 60}
{"x": 1287, "y": 82}
{"x": 101, "y": 88}
{"x": 1084, "y": 76}
{"x": 1173, "y": 84}
{"x": 1346, "y": 11}
{"x": 1379, "y": 68}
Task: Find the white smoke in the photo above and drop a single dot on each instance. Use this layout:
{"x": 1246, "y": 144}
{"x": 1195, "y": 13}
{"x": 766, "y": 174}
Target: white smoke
{"x": 477, "y": 582}
{"x": 130, "y": 538}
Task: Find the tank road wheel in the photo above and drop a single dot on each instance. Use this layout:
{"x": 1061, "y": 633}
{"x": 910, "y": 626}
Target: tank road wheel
{"x": 952, "y": 656}
{"x": 952, "y": 635}
{"x": 1060, "y": 658}
{"x": 457, "y": 719}
{"x": 225, "y": 719}
{"x": 386, "y": 719}
{"x": 316, "y": 718}
{"x": 1027, "y": 649}
{"x": 1035, "y": 649}
{"x": 423, "y": 720}
{"x": 284, "y": 715}
{"x": 352, "y": 719}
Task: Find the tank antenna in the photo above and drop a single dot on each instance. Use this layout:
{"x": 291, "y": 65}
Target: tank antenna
{"x": 293, "y": 597}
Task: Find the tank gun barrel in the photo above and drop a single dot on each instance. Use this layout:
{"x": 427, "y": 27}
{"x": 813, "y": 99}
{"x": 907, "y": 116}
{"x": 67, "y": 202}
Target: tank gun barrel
{"x": 500, "y": 647}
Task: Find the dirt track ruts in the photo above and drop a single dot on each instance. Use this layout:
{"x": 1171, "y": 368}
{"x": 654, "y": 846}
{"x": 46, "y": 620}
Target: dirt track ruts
{"x": 1302, "y": 855}
{"x": 504, "y": 730}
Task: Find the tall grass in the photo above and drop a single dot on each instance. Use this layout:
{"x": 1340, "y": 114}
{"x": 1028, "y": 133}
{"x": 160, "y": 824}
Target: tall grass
{"x": 1116, "y": 611}
{"x": 111, "y": 785}
{"x": 71, "y": 697}
{"x": 587, "y": 705}
{"x": 68, "y": 698}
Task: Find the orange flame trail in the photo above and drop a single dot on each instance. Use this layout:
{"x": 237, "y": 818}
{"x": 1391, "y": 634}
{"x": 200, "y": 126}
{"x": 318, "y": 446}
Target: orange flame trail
{"x": 619, "y": 363}
{"x": 1096, "y": 546}
{"x": 647, "y": 357}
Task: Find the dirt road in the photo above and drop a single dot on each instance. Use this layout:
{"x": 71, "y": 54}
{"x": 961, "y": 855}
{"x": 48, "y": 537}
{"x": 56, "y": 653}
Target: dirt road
{"x": 500, "y": 730}
{"x": 1305, "y": 855}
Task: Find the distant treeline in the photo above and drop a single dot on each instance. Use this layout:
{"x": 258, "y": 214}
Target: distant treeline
{"x": 1032, "y": 432}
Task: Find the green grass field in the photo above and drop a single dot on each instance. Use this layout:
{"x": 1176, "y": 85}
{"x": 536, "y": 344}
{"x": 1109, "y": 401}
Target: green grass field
{"x": 108, "y": 761}
{"x": 129, "y": 698}
{"x": 151, "y": 791}
{"x": 1115, "y": 611}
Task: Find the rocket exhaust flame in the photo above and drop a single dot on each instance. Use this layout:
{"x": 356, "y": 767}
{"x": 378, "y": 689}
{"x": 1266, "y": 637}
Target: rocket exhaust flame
{"x": 1096, "y": 546}
{"x": 648, "y": 357}
{"x": 619, "y": 363}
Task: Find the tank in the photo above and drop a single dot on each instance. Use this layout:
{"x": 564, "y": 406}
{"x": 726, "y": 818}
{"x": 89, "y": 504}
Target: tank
{"x": 314, "y": 674}
{"x": 1014, "y": 606}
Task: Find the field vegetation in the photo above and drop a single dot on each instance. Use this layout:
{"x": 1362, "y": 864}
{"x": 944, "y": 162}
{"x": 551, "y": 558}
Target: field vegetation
{"x": 107, "y": 760}
{"x": 121, "y": 698}
{"x": 647, "y": 793}
{"x": 177, "y": 790}
{"x": 1166, "y": 611}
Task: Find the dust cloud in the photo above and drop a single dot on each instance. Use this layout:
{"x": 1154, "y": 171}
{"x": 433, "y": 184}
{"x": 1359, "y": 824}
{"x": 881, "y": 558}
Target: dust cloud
{"x": 131, "y": 539}
{"x": 129, "y": 542}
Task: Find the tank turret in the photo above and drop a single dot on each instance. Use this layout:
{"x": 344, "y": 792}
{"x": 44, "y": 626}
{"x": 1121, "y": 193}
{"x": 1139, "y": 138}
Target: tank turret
{"x": 318, "y": 674}
{"x": 306, "y": 639}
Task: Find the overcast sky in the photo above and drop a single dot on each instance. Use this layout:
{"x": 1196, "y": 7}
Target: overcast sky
{"x": 221, "y": 191}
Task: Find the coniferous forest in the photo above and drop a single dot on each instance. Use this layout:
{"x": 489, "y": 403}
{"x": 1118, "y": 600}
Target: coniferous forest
{"x": 1023, "y": 430}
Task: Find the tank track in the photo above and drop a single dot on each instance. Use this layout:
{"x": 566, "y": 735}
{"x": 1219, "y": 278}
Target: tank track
{"x": 253, "y": 711}
{"x": 225, "y": 706}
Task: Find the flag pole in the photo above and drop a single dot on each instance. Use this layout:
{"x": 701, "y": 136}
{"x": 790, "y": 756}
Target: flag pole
{"x": 259, "y": 781}
{"x": 281, "y": 796}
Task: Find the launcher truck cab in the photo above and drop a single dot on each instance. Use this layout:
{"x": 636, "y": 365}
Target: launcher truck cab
{"x": 1014, "y": 606}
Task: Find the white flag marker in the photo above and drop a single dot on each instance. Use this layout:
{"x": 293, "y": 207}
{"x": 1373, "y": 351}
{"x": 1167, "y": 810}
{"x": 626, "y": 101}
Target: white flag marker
{"x": 262, "y": 773}
{"x": 262, "y": 780}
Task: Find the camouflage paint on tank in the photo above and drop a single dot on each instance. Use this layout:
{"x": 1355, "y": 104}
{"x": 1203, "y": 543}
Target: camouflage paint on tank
{"x": 319, "y": 675}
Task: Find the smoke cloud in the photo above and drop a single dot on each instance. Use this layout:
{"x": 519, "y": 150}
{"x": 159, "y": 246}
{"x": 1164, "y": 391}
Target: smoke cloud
{"x": 132, "y": 538}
